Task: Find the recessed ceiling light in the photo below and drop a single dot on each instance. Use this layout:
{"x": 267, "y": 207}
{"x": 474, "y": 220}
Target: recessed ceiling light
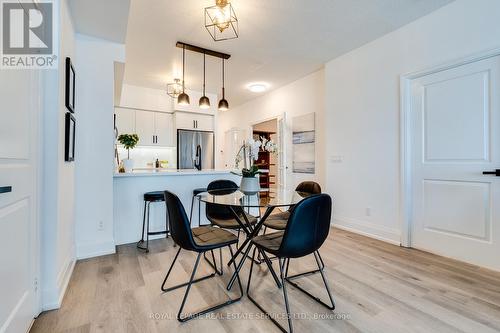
{"x": 258, "y": 87}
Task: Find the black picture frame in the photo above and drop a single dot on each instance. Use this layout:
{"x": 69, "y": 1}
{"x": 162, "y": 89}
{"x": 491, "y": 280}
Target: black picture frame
{"x": 70, "y": 86}
{"x": 69, "y": 140}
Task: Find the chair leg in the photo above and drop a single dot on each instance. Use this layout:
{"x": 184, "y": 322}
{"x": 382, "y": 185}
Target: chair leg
{"x": 191, "y": 213}
{"x": 285, "y": 296}
{"x": 145, "y": 220}
{"x": 185, "y": 317}
{"x": 321, "y": 265}
{"x": 214, "y": 263}
{"x": 182, "y": 284}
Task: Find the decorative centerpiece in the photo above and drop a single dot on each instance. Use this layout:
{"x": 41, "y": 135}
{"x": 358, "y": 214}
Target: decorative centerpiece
{"x": 249, "y": 153}
{"x": 129, "y": 141}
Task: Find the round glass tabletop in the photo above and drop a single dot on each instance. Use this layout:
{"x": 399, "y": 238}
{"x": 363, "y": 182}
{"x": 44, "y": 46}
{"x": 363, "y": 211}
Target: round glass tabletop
{"x": 234, "y": 197}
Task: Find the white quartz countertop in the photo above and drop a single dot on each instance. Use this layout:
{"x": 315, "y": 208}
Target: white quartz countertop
{"x": 170, "y": 172}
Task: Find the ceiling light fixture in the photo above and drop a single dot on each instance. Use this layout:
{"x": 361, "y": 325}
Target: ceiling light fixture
{"x": 174, "y": 89}
{"x": 258, "y": 87}
{"x": 204, "y": 101}
{"x": 221, "y": 21}
{"x": 223, "y": 104}
{"x": 183, "y": 98}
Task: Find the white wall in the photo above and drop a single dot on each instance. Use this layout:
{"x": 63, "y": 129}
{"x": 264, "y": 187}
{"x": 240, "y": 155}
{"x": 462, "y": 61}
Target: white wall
{"x": 94, "y": 144}
{"x": 362, "y": 108}
{"x": 57, "y": 227}
{"x": 300, "y": 97}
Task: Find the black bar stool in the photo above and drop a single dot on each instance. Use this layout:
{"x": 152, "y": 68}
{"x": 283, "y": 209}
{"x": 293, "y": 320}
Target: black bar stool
{"x": 149, "y": 197}
{"x": 196, "y": 191}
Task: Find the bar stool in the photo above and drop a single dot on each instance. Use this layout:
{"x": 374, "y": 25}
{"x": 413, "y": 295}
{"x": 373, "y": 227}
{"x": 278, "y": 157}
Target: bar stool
{"x": 149, "y": 197}
{"x": 196, "y": 191}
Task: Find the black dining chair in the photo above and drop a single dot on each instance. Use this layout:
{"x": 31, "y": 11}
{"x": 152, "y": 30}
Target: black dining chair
{"x": 278, "y": 221}
{"x": 199, "y": 240}
{"x": 305, "y": 232}
{"x": 222, "y": 216}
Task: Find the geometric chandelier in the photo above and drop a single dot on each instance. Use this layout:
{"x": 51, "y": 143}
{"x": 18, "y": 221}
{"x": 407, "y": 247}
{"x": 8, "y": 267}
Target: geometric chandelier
{"x": 221, "y": 21}
{"x": 174, "y": 89}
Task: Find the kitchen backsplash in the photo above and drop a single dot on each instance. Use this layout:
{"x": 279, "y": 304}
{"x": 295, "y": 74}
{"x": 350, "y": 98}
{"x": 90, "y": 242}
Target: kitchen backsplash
{"x": 143, "y": 156}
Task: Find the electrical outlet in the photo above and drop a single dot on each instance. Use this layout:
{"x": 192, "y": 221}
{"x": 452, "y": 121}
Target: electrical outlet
{"x": 100, "y": 226}
{"x": 368, "y": 211}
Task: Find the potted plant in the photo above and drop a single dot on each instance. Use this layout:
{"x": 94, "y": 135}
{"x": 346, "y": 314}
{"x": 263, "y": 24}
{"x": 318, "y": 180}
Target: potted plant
{"x": 129, "y": 141}
{"x": 249, "y": 153}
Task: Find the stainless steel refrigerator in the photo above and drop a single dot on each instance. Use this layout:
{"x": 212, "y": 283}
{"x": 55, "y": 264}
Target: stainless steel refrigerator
{"x": 188, "y": 142}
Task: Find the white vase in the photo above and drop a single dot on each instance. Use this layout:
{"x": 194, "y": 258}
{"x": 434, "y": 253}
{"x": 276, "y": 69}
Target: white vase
{"x": 128, "y": 165}
{"x": 250, "y": 185}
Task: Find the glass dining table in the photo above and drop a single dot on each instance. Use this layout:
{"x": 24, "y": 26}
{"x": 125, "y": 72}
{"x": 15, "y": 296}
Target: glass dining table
{"x": 253, "y": 203}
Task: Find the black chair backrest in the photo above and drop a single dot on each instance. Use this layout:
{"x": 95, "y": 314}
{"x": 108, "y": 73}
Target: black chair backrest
{"x": 308, "y": 226}
{"x": 179, "y": 222}
{"x": 309, "y": 187}
{"x": 219, "y": 211}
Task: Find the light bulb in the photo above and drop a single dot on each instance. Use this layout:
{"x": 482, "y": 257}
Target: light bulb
{"x": 222, "y": 18}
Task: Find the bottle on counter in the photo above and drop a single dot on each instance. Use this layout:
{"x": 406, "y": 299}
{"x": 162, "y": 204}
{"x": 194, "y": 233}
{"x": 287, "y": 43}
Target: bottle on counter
{"x": 157, "y": 164}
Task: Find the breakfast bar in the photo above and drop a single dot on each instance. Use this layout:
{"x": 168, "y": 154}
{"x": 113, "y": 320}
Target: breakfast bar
{"x": 129, "y": 189}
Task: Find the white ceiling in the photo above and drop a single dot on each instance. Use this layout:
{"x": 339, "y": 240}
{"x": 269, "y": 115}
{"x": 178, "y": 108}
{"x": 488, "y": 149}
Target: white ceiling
{"x": 280, "y": 40}
{"x": 104, "y": 19}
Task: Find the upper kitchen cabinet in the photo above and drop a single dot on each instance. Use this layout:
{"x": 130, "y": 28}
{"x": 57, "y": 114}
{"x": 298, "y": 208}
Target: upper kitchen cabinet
{"x": 194, "y": 96}
{"x": 194, "y": 121}
{"x": 154, "y": 128}
{"x": 125, "y": 120}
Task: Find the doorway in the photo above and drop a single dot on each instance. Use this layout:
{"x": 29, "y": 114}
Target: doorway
{"x": 267, "y": 162}
{"x": 451, "y": 135}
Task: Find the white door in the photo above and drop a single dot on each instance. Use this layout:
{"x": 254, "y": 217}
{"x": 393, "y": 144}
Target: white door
{"x": 145, "y": 127}
{"x": 455, "y": 137}
{"x": 164, "y": 128}
{"x": 19, "y": 110}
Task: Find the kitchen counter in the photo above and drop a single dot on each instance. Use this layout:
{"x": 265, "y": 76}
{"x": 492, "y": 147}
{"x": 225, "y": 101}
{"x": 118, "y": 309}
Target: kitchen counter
{"x": 128, "y": 194}
{"x": 171, "y": 172}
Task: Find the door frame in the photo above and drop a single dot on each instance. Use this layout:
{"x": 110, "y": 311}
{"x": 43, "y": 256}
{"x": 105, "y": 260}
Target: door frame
{"x": 283, "y": 157}
{"x": 406, "y": 186}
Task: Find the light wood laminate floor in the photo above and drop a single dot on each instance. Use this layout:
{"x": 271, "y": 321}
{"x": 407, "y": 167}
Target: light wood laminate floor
{"x": 377, "y": 287}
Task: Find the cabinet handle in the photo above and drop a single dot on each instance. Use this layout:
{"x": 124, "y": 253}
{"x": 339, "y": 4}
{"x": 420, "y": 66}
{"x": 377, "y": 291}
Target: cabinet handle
{"x": 196, "y": 123}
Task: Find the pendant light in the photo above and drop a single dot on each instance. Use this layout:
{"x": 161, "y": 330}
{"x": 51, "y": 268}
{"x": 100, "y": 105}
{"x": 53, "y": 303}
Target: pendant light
{"x": 183, "y": 98}
{"x": 204, "y": 101}
{"x": 223, "y": 104}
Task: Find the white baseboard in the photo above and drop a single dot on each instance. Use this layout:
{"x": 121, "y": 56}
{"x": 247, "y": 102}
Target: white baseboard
{"x": 372, "y": 230}
{"x": 52, "y": 298}
{"x": 95, "y": 249}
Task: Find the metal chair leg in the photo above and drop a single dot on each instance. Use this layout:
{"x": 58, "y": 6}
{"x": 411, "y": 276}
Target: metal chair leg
{"x": 143, "y": 226}
{"x": 191, "y": 213}
{"x": 180, "y": 316}
{"x": 145, "y": 220}
{"x": 285, "y": 296}
{"x": 320, "y": 269}
{"x": 214, "y": 263}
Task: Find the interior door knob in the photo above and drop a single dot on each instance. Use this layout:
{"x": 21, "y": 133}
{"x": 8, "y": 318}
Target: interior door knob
{"x": 496, "y": 172}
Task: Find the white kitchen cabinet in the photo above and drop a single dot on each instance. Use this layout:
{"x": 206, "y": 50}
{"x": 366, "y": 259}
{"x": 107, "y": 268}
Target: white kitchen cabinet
{"x": 164, "y": 129}
{"x": 194, "y": 121}
{"x": 154, "y": 128}
{"x": 125, "y": 120}
{"x": 145, "y": 127}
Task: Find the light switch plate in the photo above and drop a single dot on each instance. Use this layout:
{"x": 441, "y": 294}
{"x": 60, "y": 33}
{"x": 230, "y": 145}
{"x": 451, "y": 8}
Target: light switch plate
{"x": 336, "y": 159}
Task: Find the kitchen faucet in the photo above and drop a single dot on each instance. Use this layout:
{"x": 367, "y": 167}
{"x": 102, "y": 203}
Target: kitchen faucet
{"x": 197, "y": 161}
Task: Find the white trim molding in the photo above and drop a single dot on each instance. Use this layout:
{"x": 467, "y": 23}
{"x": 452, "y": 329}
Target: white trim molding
{"x": 52, "y": 298}
{"x": 369, "y": 229}
{"x": 405, "y": 205}
{"x": 95, "y": 249}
